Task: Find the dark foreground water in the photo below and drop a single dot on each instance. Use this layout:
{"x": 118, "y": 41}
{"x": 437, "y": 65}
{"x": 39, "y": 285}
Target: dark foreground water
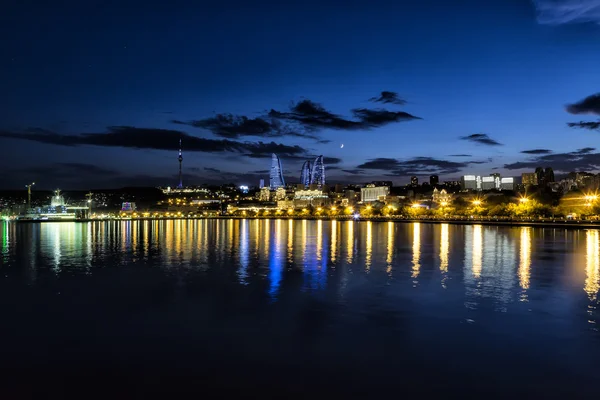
{"x": 315, "y": 308}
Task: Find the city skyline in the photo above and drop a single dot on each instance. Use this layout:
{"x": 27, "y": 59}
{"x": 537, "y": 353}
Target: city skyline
{"x": 108, "y": 108}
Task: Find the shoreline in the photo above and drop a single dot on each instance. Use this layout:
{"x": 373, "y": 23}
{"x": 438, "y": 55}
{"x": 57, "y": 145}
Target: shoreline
{"x": 571, "y": 224}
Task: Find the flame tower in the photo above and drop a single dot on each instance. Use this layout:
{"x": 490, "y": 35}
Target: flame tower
{"x": 318, "y": 172}
{"x": 276, "y": 178}
{"x": 305, "y": 174}
{"x": 180, "y": 161}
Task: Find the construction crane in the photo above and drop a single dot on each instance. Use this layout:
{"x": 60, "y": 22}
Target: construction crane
{"x": 29, "y": 193}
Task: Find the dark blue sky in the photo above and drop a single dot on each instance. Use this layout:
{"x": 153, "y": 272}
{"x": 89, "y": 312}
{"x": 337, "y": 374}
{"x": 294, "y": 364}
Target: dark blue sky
{"x": 502, "y": 68}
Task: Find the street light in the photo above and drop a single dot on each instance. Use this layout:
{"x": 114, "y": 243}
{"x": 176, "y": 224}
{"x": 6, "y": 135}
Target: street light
{"x": 523, "y": 200}
{"x": 476, "y": 202}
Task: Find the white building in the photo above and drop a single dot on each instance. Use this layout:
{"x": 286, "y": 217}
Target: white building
{"x": 487, "y": 183}
{"x": 507, "y": 184}
{"x": 469, "y": 182}
{"x": 374, "y": 193}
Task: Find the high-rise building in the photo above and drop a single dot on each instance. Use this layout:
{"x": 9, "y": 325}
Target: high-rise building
{"x": 180, "y": 185}
{"x": 305, "y": 174}
{"x": 434, "y": 180}
{"x": 529, "y": 179}
{"x": 414, "y": 181}
{"x": 261, "y": 183}
{"x": 318, "y": 172}
{"x": 549, "y": 175}
{"x": 276, "y": 178}
{"x": 541, "y": 176}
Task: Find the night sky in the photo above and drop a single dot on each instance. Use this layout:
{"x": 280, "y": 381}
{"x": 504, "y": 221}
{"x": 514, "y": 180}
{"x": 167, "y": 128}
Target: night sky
{"x": 97, "y": 94}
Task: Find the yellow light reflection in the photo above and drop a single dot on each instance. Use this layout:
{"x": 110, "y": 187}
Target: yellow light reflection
{"x": 444, "y": 248}
{"x": 319, "y": 240}
{"x": 267, "y": 237}
{"x": 333, "y": 240}
{"x": 592, "y": 269}
{"x": 304, "y": 234}
{"x": 350, "y": 242}
{"x": 290, "y": 243}
{"x": 416, "y": 267}
{"x": 477, "y": 250}
{"x": 525, "y": 258}
{"x": 390, "y": 247}
{"x": 369, "y": 252}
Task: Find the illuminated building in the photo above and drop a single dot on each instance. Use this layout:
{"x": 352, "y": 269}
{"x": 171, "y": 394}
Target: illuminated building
{"x": 276, "y": 178}
{"x": 264, "y": 194}
{"x": 488, "y": 183}
{"x": 434, "y": 180}
{"x": 529, "y": 179}
{"x": 304, "y": 198}
{"x": 468, "y": 182}
{"x": 373, "y": 193}
{"x": 280, "y": 194}
{"x": 318, "y": 172}
{"x": 441, "y": 196}
{"x": 507, "y": 183}
{"x": 414, "y": 181}
{"x": 261, "y": 183}
{"x": 305, "y": 174}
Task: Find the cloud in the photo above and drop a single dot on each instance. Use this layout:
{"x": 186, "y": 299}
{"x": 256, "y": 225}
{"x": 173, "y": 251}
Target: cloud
{"x": 235, "y": 126}
{"x": 304, "y": 119}
{"x": 313, "y": 116}
{"x": 209, "y": 169}
{"x": 591, "y": 125}
{"x": 537, "y": 151}
{"x": 355, "y": 171}
{"x": 326, "y": 160}
{"x": 460, "y": 155}
{"x": 156, "y": 139}
{"x": 481, "y": 138}
{"x": 580, "y": 160}
{"x": 389, "y": 98}
{"x": 558, "y": 12}
{"x": 589, "y": 105}
{"x": 416, "y": 166}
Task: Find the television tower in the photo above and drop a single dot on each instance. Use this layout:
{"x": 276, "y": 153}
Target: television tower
{"x": 180, "y": 186}
{"x": 29, "y": 193}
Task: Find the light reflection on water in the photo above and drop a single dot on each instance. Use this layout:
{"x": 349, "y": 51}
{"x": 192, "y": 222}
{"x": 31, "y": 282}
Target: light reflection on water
{"x": 503, "y": 265}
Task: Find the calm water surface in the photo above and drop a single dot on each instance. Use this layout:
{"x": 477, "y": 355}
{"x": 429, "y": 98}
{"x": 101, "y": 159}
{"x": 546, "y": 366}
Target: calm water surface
{"x": 308, "y": 307}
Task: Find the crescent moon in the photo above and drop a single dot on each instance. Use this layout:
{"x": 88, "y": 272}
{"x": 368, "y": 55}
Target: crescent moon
{"x": 342, "y": 146}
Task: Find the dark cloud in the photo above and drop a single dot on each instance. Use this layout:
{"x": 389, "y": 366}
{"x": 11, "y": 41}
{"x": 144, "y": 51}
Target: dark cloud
{"x": 303, "y": 119}
{"x": 326, "y": 160}
{"x": 416, "y": 166}
{"x": 481, "y": 138}
{"x": 589, "y": 105}
{"x": 375, "y": 118}
{"x": 234, "y": 127}
{"x": 209, "y": 169}
{"x": 460, "y": 155}
{"x": 579, "y": 160}
{"x": 537, "y": 151}
{"x": 558, "y": 12}
{"x": 262, "y": 171}
{"x": 591, "y": 125}
{"x": 389, "y": 98}
{"x": 313, "y": 116}
{"x": 355, "y": 171}
{"x": 157, "y": 139}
